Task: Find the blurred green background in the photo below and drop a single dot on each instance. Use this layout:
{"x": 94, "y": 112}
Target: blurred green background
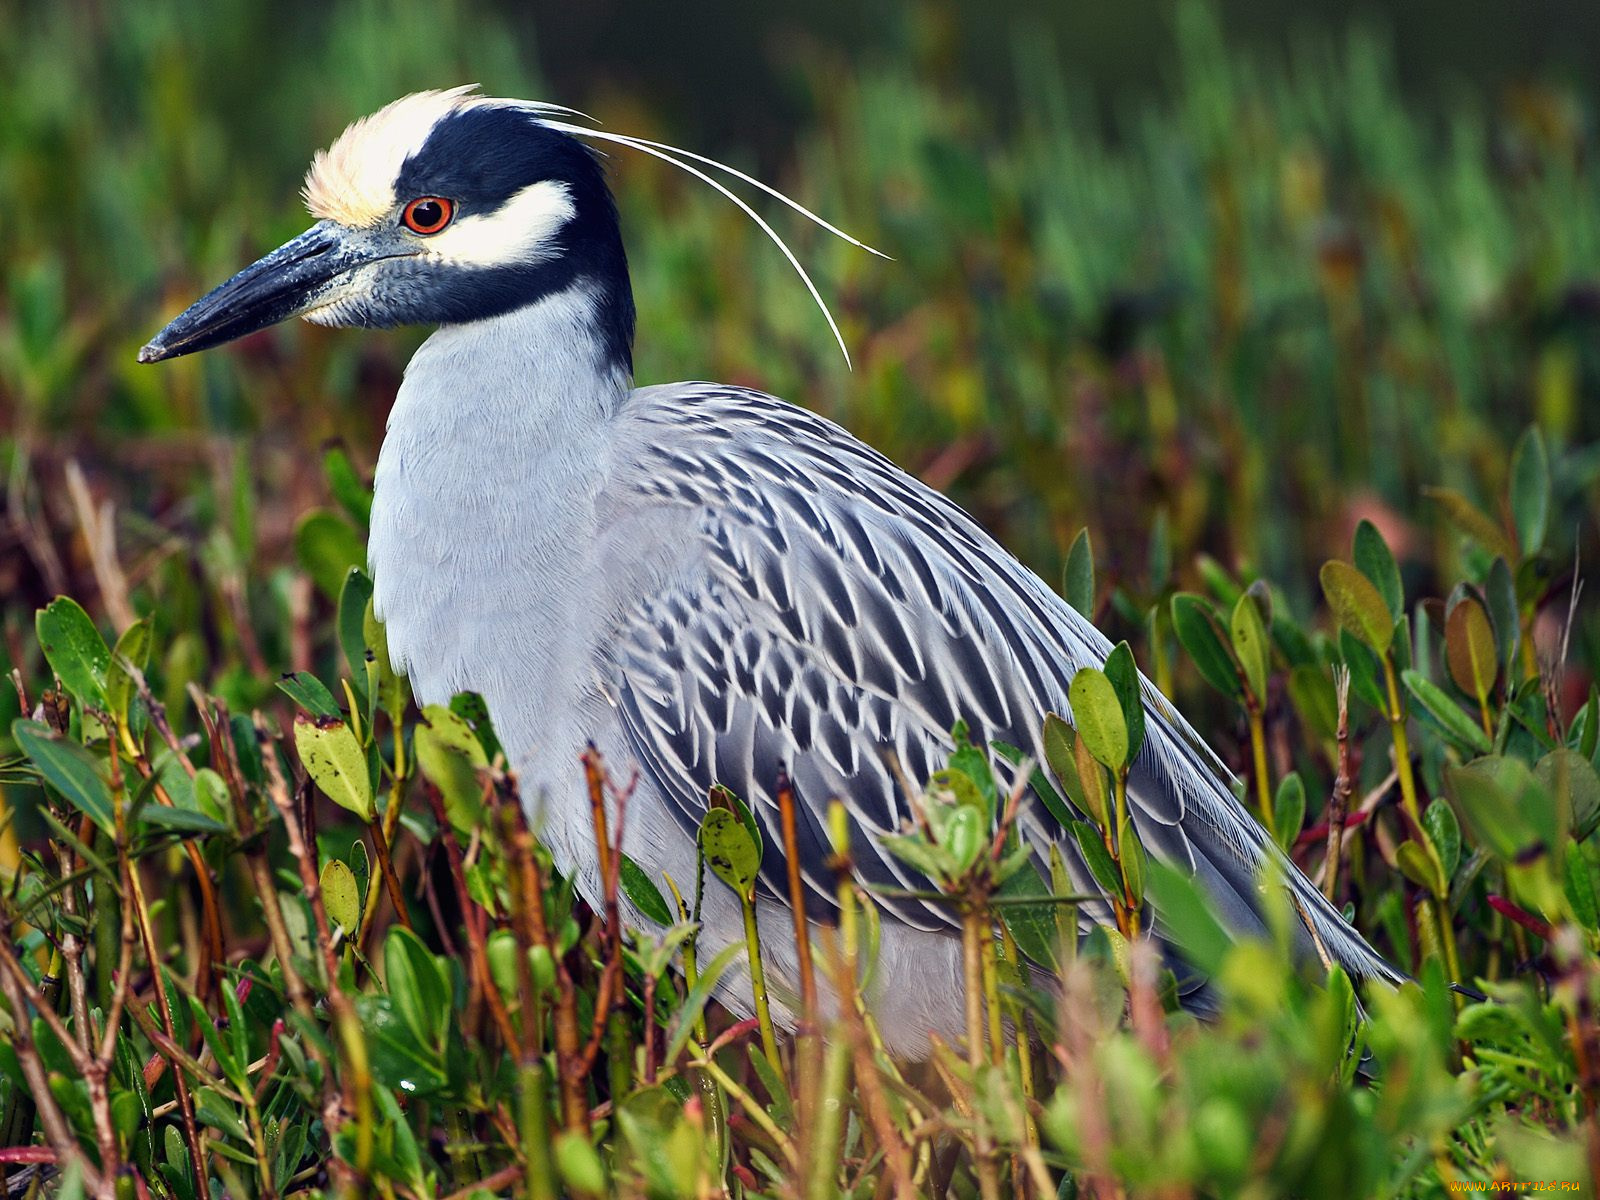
{"x": 1214, "y": 280}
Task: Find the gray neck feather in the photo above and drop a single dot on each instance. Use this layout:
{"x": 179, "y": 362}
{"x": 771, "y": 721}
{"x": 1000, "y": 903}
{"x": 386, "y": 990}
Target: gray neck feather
{"x": 483, "y": 513}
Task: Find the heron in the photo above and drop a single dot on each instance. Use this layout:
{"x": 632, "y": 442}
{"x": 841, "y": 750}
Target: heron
{"x": 697, "y": 578}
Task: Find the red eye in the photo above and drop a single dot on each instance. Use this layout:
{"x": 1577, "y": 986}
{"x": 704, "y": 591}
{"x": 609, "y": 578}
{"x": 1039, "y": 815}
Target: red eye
{"x": 428, "y": 214}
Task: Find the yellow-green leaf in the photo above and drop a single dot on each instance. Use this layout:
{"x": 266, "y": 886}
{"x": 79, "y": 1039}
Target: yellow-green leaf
{"x": 1358, "y": 605}
{"x": 730, "y": 851}
{"x": 451, "y": 757}
{"x": 1097, "y": 716}
{"x": 341, "y": 896}
{"x": 1249, "y": 636}
{"x": 333, "y": 758}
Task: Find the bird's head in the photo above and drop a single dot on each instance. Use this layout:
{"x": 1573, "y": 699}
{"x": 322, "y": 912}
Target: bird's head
{"x": 444, "y": 207}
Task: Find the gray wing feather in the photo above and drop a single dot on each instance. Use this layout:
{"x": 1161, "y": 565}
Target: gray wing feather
{"x": 840, "y": 618}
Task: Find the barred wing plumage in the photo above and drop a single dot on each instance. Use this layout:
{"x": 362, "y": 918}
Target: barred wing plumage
{"x": 836, "y": 618}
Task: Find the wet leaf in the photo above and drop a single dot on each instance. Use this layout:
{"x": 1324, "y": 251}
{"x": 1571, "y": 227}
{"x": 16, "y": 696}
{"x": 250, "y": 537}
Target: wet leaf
{"x": 74, "y": 649}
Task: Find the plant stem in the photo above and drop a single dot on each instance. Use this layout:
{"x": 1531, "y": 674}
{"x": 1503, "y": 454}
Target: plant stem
{"x": 539, "y": 1174}
{"x": 1258, "y": 758}
{"x": 386, "y": 868}
{"x": 758, "y": 984}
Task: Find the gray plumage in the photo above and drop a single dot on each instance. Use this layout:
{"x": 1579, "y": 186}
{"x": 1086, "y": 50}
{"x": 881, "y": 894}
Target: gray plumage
{"x": 709, "y": 584}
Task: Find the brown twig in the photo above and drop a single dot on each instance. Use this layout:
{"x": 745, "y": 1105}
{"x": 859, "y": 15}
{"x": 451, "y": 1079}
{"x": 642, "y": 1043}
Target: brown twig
{"x": 479, "y": 957}
{"x": 1343, "y": 785}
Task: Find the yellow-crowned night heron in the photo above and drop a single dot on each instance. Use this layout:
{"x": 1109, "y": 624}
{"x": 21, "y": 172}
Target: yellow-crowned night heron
{"x": 701, "y": 579}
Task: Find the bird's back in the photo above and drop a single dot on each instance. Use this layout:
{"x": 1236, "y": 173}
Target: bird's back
{"x": 835, "y": 619}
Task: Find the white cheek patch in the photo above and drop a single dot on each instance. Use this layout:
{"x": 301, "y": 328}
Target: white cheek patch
{"x": 520, "y": 230}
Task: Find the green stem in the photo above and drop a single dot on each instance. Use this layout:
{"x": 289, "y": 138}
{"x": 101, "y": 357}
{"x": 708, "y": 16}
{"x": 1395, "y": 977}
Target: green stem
{"x": 535, "y": 1121}
{"x": 1408, "y": 797}
{"x": 1258, "y": 757}
{"x": 758, "y": 983}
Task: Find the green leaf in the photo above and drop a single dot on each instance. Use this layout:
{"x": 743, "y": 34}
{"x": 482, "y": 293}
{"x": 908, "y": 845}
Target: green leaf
{"x": 1358, "y": 605}
{"x": 399, "y": 1060}
{"x": 1189, "y": 918}
{"x": 381, "y": 677}
{"x": 1199, "y": 632}
{"x": 1097, "y": 858}
{"x": 354, "y": 597}
{"x": 1097, "y": 716}
{"x": 418, "y": 986}
{"x": 971, "y": 761}
{"x": 306, "y": 690}
{"x": 695, "y": 1002}
{"x": 1078, "y": 577}
{"x": 579, "y": 1164}
{"x": 327, "y": 548}
{"x": 1500, "y": 592}
{"x": 1457, "y": 725}
{"x": 353, "y": 495}
{"x": 1314, "y": 699}
{"x": 642, "y": 891}
{"x": 1038, "y": 780}
{"x": 341, "y": 896}
{"x": 183, "y": 820}
{"x": 1130, "y": 850}
{"x": 1579, "y": 887}
{"x": 1250, "y": 645}
{"x": 1530, "y": 491}
{"x": 1032, "y": 926}
{"x": 1124, "y": 677}
{"x": 74, "y": 649}
{"x": 1439, "y": 819}
{"x": 451, "y": 757}
{"x": 132, "y": 649}
{"x": 1418, "y": 866}
{"x": 1289, "y": 809}
{"x": 336, "y": 763}
{"x": 1059, "y": 756}
{"x": 1096, "y": 787}
{"x": 963, "y": 836}
{"x": 730, "y": 851}
{"x": 68, "y": 768}
{"x": 1375, "y": 560}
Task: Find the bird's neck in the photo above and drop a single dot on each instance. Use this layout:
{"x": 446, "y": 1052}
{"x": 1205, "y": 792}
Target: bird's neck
{"x": 497, "y": 447}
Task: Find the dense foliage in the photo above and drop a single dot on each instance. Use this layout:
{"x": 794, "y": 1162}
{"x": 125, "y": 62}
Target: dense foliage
{"x": 1315, "y": 367}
